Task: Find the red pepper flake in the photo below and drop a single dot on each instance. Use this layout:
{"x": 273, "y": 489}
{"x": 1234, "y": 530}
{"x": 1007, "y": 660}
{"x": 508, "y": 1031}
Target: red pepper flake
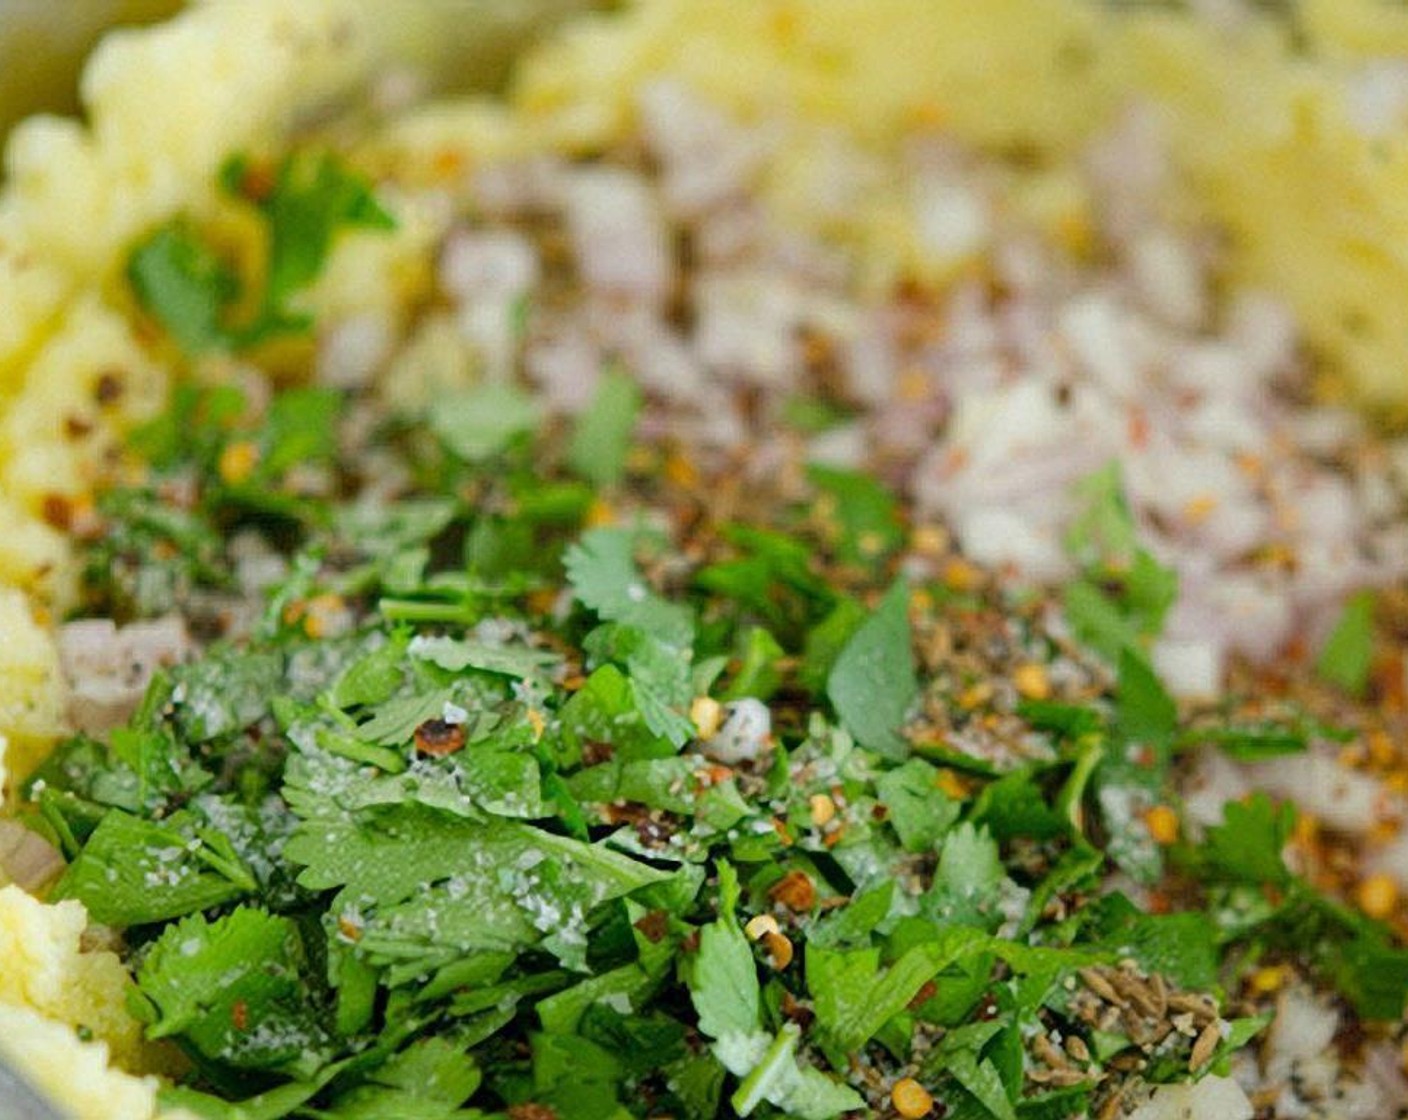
{"x": 257, "y": 181}
{"x": 924, "y": 995}
{"x": 108, "y": 388}
{"x": 57, "y": 511}
{"x": 239, "y": 1015}
{"x": 799, "y": 1013}
{"x": 712, "y": 776}
{"x": 594, "y": 753}
{"x": 1138, "y": 433}
{"x": 654, "y": 926}
{"x": 437, "y": 738}
{"x": 625, "y": 812}
{"x": 794, "y": 890}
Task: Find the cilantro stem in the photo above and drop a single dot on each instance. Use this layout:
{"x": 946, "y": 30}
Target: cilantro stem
{"x": 231, "y": 870}
{"x": 348, "y": 747}
{"x": 418, "y": 610}
{"x": 52, "y": 814}
{"x": 1088, "y": 755}
{"x": 751, "y": 1092}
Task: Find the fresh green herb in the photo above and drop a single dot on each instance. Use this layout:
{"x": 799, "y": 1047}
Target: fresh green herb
{"x": 603, "y": 436}
{"x": 235, "y": 990}
{"x": 864, "y": 517}
{"x": 916, "y": 807}
{"x": 1249, "y": 743}
{"x": 312, "y": 196}
{"x": 458, "y": 823}
{"x": 180, "y": 279}
{"x": 1348, "y": 653}
{"x": 184, "y": 285}
{"x": 602, "y": 571}
{"x": 1247, "y": 846}
{"x": 133, "y": 871}
{"x": 1120, "y": 600}
{"x": 479, "y": 423}
{"x": 872, "y": 682}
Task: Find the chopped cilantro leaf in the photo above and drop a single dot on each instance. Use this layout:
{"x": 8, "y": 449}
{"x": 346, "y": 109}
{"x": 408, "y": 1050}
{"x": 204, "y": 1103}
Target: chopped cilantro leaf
{"x": 797, "y": 1090}
{"x": 1179, "y": 946}
{"x": 758, "y": 674}
{"x": 1103, "y": 533}
{"x": 854, "y": 998}
{"x": 456, "y": 656}
{"x": 970, "y": 882}
{"x": 872, "y": 682}
{"x": 300, "y": 429}
{"x": 313, "y": 196}
{"x": 1348, "y": 653}
{"x": 603, "y": 436}
{"x": 1144, "y": 711}
{"x": 181, "y": 281}
{"x": 429, "y": 1080}
{"x": 133, "y": 871}
{"x": 918, "y": 809}
{"x": 602, "y": 571}
{"x": 184, "y": 286}
{"x": 1123, "y": 593}
{"x": 1014, "y": 805}
{"x": 867, "y": 517}
{"x": 1248, "y": 743}
{"x": 235, "y": 989}
{"x": 1247, "y": 846}
{"x": 1372, "y": 974}
{"x": 477, "y": 424}
{"x": 724, "y": 984}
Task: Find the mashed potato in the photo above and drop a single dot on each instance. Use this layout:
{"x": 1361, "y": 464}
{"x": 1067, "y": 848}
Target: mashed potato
{"x": 46, "y": 970}
{"x": 1303, "y": 164}
{"x": 50, "y": 989}
{"x": 77, "y": 1074}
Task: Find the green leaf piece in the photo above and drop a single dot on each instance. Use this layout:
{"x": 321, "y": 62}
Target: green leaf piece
{"x": 873, "y": 683}
{"x": 1348, "y": 653}
{"x": 477, "y": 424}
{"x": 234, "y": 988}
{"x": 603, "y": 436}
{"x": 184, "y": 286}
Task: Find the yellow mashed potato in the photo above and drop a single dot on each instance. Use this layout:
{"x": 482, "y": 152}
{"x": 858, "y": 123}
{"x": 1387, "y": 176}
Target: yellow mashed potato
{"x": 1316, "y": 210}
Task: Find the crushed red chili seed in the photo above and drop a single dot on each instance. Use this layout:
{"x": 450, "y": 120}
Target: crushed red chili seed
{"x": 925, "y": 993}
{"x": 437, "y": 738}
{"x": 654, "y": 926}
{"x": 57, "y": 511}
{"x": 256, "y": 183}
{"x": 531, "y": 1110}
{"x": 108, "y": 388}
{"x": 794, "y": 890}
{"x": 594, "y": 753}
